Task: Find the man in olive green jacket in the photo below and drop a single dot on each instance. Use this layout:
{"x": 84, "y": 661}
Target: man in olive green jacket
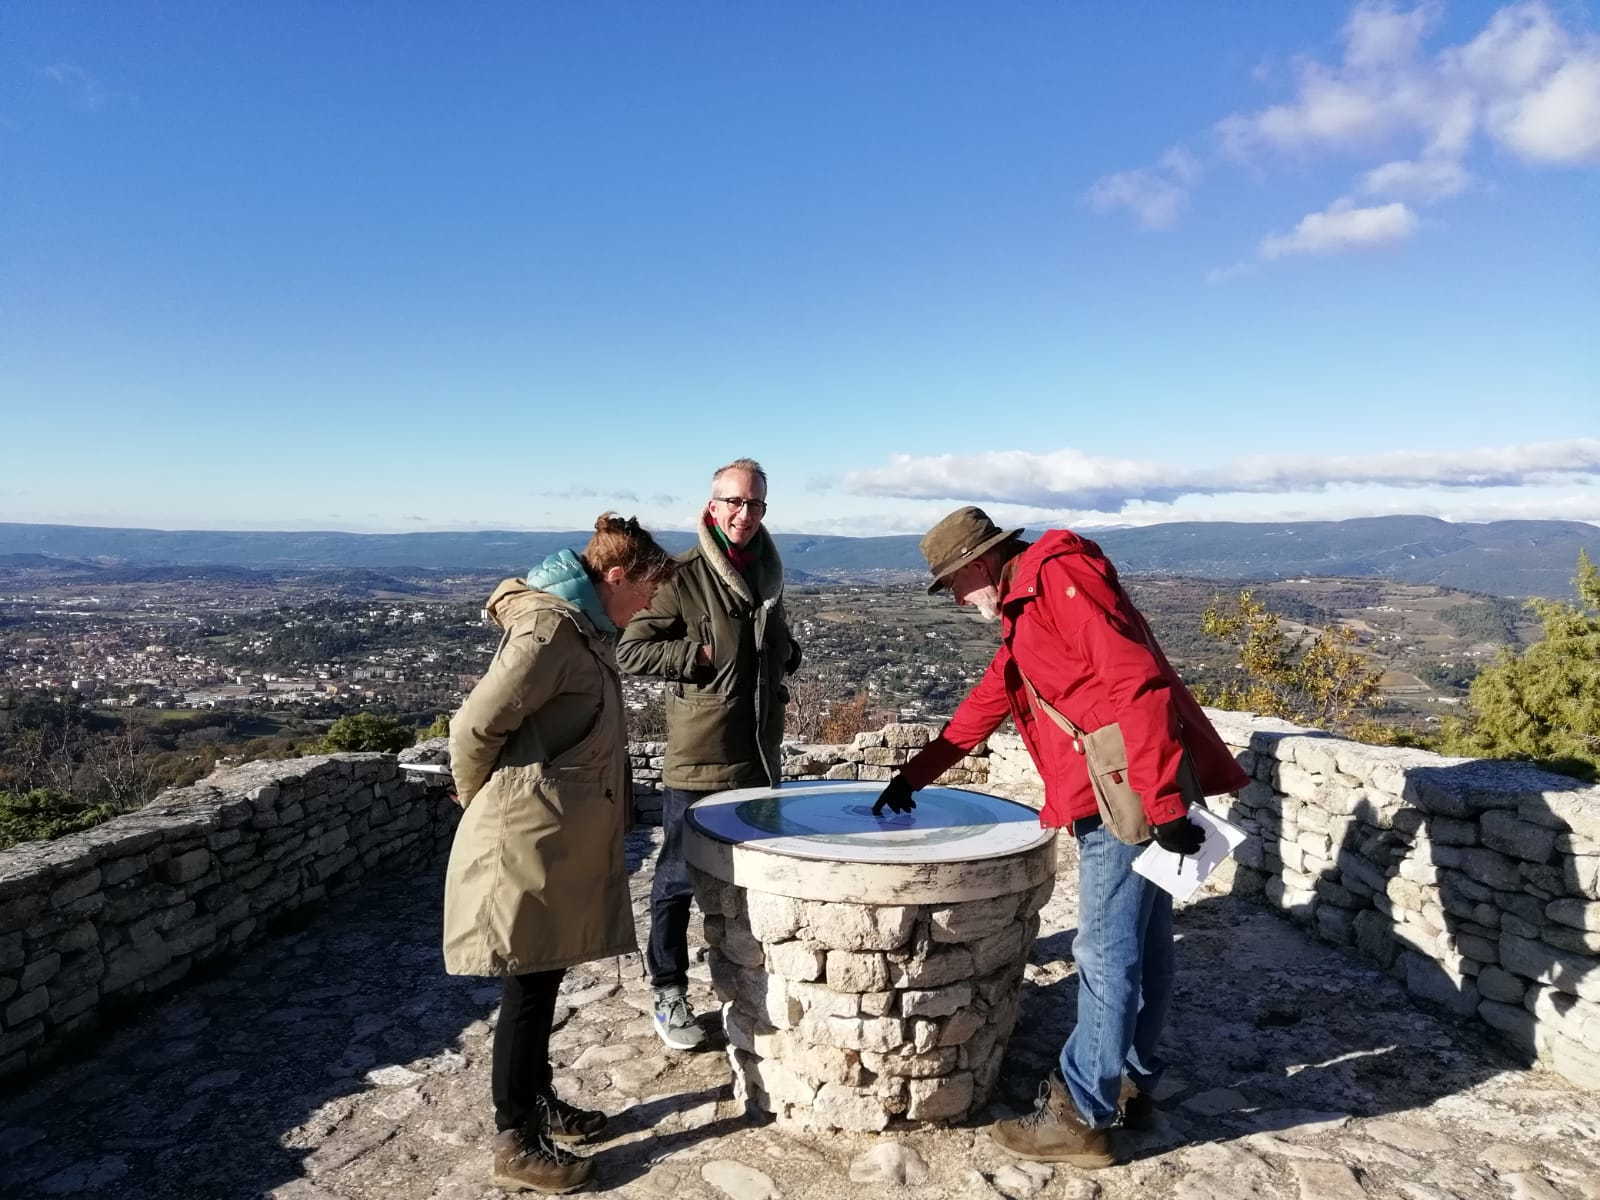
{"x": 716, "y": 633}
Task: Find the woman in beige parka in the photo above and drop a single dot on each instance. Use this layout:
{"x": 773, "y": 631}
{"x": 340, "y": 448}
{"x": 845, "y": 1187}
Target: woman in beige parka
{"x": 536, "y": 881}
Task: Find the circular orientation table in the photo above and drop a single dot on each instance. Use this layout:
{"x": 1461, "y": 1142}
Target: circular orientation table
{"x": 869, "y": 967}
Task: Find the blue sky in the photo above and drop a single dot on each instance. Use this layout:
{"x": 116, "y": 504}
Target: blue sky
{"x": 504, "y": 265}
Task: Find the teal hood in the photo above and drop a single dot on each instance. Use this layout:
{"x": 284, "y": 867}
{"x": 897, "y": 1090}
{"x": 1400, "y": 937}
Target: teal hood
{"x": 563, "y": 575}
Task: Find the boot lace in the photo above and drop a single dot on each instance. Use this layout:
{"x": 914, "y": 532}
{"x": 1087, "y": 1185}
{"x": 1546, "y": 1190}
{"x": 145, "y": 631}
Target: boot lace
{"x": 537, "y": 1147}
{"x": 1041, "y": 1109}
{"x": 569, "y": 1116}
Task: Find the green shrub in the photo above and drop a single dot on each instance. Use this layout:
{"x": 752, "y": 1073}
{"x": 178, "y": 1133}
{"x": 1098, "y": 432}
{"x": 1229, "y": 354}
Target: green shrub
{"x": 40, "y": 814}
{"x": 367, "y": 731}
{"x": 1320, "y": 680}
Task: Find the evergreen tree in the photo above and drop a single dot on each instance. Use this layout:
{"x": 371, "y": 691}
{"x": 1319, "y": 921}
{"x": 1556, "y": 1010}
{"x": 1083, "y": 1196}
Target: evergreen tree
{"x": 1543, "y": 705}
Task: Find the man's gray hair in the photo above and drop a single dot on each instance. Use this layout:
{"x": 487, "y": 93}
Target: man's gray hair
{"x": 740, "y": 464}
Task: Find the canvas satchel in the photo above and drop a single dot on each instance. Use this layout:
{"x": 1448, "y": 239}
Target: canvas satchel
{"x": 1106, "y": 758}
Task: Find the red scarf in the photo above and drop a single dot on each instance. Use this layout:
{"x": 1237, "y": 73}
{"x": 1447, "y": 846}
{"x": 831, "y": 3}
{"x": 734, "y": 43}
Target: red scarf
{"x": 741, "y": 557}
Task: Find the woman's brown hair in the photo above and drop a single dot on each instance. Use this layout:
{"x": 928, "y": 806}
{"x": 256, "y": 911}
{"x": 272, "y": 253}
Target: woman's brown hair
{"x": 627, "y": 544}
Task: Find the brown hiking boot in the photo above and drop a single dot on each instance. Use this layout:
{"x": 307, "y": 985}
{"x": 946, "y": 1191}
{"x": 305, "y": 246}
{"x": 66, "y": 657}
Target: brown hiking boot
{"x": 1054, "y": 1132}
{"x": 565, "y": 1122}
{"x": 525, "y": 1161}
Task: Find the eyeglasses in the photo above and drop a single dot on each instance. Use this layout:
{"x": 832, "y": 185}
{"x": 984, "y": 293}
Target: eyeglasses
{"x": 738, "y": 502}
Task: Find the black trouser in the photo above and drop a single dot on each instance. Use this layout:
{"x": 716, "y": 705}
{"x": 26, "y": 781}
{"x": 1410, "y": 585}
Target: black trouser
{"x": 522, "y": 1047}
{"x": 667, "y": 953}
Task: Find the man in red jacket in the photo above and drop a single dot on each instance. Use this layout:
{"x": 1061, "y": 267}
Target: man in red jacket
{"x": 1068, "y": 628}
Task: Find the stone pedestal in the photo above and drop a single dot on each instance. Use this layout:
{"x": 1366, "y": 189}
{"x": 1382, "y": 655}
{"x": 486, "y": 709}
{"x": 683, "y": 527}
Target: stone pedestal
{"x": 869, "y": 967}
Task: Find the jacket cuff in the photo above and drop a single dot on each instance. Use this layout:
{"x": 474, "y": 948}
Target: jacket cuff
{"x": 1166, "y": 808}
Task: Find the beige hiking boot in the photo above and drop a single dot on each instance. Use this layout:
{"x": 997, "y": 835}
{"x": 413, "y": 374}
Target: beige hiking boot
{"x": 1054, "y": 1132}
{"x": 529, "y": 1161}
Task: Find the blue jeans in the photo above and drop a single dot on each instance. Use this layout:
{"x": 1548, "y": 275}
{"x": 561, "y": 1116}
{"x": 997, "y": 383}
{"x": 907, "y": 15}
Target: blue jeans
{"x": 666, "y": 954}
{"x": 1124, "y": 954}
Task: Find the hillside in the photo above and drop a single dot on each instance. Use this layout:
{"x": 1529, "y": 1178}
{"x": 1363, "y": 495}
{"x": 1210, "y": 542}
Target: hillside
{"x": 1507, "y": 558}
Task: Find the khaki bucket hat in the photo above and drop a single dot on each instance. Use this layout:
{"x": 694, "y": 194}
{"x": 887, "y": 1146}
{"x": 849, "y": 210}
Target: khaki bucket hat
{"x": 959, "y": 539}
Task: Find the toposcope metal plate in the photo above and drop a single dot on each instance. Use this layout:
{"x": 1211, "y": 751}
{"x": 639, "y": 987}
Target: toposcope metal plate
{"x": 833, "y": 822}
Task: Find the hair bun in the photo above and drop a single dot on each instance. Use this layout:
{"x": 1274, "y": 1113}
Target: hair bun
{"x": 623, "y": 542}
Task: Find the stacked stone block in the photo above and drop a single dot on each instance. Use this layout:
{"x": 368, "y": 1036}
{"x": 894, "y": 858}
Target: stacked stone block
{"x": 93, "y": 921}
{"x": 852, "y": 1016}
{"x": 644, "y": 761}
{"x": 874, "y": 755}
{"x": 1476, "y": 884}
{"x": 1011, "y": 772}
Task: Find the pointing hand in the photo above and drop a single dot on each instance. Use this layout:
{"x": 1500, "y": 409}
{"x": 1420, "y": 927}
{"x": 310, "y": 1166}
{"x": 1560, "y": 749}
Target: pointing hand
{"x": 897, "y": 796}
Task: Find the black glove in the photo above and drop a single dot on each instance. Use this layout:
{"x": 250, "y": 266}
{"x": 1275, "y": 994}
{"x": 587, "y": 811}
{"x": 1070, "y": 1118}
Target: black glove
{"x": 897, "y": 796}
{"x": 1181, "y": 836}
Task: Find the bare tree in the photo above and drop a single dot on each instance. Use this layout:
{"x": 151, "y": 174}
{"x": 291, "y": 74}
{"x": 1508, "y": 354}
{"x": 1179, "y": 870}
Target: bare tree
{"x": 808, "y": 708}
{"x": 116, "y": 770}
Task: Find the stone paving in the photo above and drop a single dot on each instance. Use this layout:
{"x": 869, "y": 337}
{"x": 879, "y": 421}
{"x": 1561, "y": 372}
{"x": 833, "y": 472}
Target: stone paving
{"x": 337, "y": 1060}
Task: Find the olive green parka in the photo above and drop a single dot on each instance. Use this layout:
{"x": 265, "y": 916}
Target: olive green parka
{"x": 724, "y": 722}
{"x": 537, "y": 878}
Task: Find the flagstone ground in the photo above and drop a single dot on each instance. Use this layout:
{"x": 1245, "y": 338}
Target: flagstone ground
{"x": 337, "y": 1060}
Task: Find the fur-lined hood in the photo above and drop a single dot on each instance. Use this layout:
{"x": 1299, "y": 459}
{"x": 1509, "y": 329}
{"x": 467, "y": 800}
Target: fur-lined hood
{"x": 768, "y": 572}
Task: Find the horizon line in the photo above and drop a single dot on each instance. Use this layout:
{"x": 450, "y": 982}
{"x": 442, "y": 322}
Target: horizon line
{"x": 1108, "y": 526}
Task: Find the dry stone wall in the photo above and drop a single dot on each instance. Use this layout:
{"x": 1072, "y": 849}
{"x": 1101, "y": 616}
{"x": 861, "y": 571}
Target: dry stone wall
{"x": 851, "y": 1016}
{"x": 92, "y": 922}
{"x": 1475, "y": 883}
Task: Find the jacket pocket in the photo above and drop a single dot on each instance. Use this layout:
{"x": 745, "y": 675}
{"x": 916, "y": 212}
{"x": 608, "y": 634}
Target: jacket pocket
{"x": 707, "y": 728}
{"x": 708, "y": 638}
{"x": 588, "y": 751}
{"x": 1121, "y": 808}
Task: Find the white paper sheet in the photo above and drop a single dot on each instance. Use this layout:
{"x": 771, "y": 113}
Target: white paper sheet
{"x": 1182, "y": 874}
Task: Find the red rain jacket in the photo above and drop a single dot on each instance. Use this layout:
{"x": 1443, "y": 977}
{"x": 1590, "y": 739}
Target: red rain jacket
{"x": 1068, "y": 625}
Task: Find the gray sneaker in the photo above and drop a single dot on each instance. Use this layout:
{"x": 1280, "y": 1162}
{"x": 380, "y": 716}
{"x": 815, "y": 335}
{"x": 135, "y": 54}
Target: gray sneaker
{"x": 675, "y": 1024}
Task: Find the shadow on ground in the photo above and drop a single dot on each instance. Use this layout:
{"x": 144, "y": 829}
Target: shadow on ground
{"x": 202, "y": 1095}
{"x": 1271, "y": 1030}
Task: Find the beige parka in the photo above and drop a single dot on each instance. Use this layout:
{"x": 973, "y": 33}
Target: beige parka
{"x": 537, "y": 878}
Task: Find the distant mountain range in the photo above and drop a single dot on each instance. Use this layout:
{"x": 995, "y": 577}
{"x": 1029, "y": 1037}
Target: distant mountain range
{"x": 1508, "y": 558}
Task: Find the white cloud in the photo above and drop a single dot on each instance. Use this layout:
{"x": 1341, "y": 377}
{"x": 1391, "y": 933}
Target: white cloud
{"x": 1071, "y": 479}
{"x": 1341, "y": 504}
{"x": 1525, "y": 83}
{"x": 1155, "y": 195}
{"x": 1377, "y": 35}
{"x": 1328, "y": 110}
{"x": 86, "y": 91}
{"x": 1558, "y": 122}
{"x": 1426, "y": 182}
{"x": 1183, "y": 166}
{"x": 1343, "y": 227}
{"x": 1521, "y": 44}
{"x": 1239, "y": 270}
